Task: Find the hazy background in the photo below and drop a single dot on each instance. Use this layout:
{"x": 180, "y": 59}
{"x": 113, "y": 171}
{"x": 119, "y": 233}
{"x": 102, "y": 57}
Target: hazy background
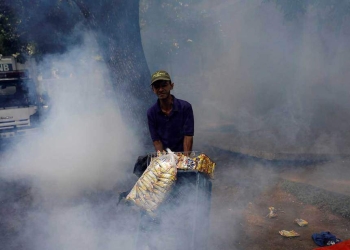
{"x": 255, "y": 79}
{"x": 267, "y": 81}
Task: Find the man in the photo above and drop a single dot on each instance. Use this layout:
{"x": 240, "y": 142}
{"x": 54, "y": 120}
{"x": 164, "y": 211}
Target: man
{"x": 170, "y": 120}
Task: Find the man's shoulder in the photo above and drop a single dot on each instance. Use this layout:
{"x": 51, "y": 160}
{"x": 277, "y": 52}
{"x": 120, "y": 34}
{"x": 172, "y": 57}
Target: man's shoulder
{"x": 183, "y": 103}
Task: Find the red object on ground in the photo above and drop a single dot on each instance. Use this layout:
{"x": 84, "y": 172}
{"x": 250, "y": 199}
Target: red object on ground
{"x": 345, "y": 245}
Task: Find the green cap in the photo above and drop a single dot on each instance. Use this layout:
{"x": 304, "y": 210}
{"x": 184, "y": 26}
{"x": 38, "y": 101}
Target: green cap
{"x": 160, "y": 75}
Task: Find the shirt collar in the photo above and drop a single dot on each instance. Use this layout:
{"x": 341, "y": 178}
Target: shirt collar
{"x": 175, "y": 105}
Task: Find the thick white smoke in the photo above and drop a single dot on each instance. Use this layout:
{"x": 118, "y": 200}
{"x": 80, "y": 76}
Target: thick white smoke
{"x": 259, "y": 84}
{"x": 84, "y": 150}
{"x": 269, "y": 82}
{"x": 84, "y": 143}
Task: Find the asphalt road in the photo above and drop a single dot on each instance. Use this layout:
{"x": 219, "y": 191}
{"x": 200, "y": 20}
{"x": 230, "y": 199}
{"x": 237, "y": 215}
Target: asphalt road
{"x": 242, "y": 183}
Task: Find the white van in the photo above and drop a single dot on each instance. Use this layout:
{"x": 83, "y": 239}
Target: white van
{"x": 19, "y": 114}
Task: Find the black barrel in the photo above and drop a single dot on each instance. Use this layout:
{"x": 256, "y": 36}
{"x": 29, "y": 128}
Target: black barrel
{"x": 183, "y": 220}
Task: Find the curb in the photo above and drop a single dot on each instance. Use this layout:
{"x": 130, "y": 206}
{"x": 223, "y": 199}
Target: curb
{"x": 336, "y": 202}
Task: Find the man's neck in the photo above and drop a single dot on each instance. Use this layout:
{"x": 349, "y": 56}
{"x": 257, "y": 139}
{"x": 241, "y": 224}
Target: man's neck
{"x": 166, "y": 104}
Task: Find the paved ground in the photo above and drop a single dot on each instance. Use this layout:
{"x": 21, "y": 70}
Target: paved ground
{"x": 243, "y": 189}
{"x": 332, "y": 176}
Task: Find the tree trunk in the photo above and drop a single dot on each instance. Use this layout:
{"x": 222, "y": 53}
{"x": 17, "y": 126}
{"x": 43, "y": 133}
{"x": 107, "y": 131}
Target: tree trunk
{"x": 116, "y": 24}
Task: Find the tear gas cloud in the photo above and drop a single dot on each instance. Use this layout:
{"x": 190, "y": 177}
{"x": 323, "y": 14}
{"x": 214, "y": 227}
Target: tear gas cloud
{"x": 257, "y": 82}
{"x": 272, "y": 83}
{"x": 85, "y": 143}
{"x": 239, "y": 63}
{"x": 84, "y": 151}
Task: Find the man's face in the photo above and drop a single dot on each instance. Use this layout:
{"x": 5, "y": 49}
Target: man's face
{"x": 162, "y": 88}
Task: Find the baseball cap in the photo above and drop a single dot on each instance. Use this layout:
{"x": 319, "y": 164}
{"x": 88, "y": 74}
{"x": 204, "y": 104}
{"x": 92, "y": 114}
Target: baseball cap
{"x": 160, "y": 75}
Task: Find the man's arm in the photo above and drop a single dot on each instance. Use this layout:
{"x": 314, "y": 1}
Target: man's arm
{"x": 158, "y": 145}
{"x": 188, "y": 142}
{"x": 188, "y": 130}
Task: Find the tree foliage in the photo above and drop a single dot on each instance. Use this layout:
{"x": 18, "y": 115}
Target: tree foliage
{"x": 37, "y": 27}
{"x": 10, "y": 42}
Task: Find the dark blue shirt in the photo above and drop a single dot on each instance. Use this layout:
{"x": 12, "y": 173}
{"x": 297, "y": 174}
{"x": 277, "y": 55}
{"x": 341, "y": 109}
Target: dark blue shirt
{"x": 170, "y": 130}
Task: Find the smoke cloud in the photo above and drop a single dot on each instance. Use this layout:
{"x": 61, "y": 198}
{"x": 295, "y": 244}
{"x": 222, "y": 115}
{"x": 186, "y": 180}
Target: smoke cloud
{"x": 74, "y": 167}
{"x": 269, "y": 82}
{"x": 85, "y": 142}
{"x": 258, "y": 83}
{"x": 254, "y": 79}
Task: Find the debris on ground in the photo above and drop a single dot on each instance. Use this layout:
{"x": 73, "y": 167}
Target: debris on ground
{"x": 325, "y": 239}
{"x": 301, "y": 222}
{"x": 273, "y": 213}
{"x": 255, "y": 227}
{"x": 289, "y": 234}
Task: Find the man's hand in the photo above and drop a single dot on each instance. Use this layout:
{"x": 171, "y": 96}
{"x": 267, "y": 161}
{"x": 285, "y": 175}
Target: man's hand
{"x": 158, "y": 145}
{"x": 188, "y": 142}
